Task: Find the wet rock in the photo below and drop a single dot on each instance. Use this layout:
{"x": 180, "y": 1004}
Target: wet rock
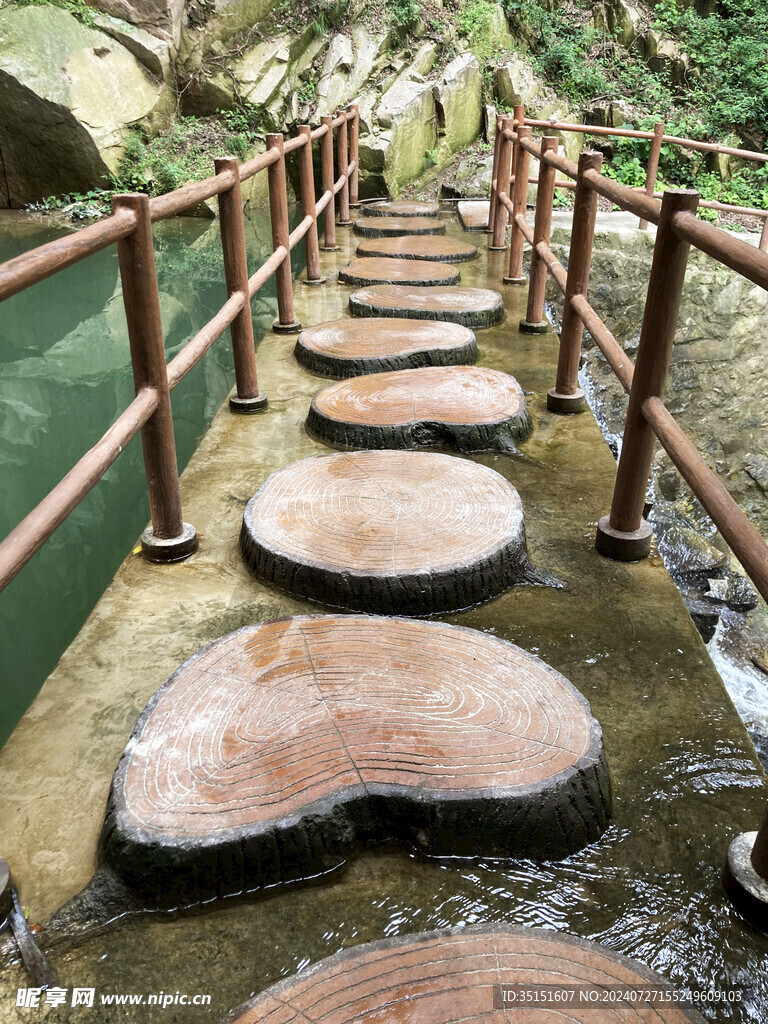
{"x": 732, "y": 590}
{"x": 757, "y": 468}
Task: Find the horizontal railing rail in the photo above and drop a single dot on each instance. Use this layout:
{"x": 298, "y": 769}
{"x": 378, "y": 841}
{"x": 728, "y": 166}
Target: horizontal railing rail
{"x": 149, "y": 414}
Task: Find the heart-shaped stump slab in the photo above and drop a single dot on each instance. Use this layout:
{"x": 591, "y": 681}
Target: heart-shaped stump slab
{"x": 483, "y": 974}
{"x": 349, "y": 348}
{"x": 469, "y": 407}
{"x": 471, "y": 307}
{"x": 387, "y": 227}
{"x": 419, "y": 273}
{"x": 387, "y": 531}
{"x": 473, "y": 214}
{"x": 401, "y": 208}
{"x": 418, "y": 247}
{"x": 278, "y": 751}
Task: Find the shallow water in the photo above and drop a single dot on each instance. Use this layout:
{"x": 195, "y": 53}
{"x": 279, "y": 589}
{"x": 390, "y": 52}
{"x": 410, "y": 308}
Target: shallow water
{"x": 65, "y": 375}
{"x": 684, "y": 772}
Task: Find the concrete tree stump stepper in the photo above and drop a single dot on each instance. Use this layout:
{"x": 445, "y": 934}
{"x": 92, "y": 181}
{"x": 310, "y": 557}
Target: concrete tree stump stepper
{"x": 401, "y": 208}
{"x": 393, "y": 532}
{"x": 418, "y": 247}
{"x": 469, "y": 407}
{"x": 277, "y": 752}
{"x": 417, "y": 273}
{"x": 455, "y": 977}
{"x": 471, "y": 307}
{"x": 388, "y": 227}
{"x": 348, "y": 348}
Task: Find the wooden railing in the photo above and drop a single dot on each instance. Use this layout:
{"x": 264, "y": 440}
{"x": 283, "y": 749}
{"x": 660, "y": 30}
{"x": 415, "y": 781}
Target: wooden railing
{"x": 130, "y": 228}
{"x": 657, "y": 138}
{"x": 623, "y": 534}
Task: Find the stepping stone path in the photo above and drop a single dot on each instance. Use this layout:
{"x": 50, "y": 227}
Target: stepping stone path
{"x": 474, "y": 214}
{"x": 276, "y": 752}
{"x": 401, "y": 208}
{"x": 469, "y": 407}
{"x": 454, "y": 977}
{"x": 418, "y": 247}
{"x": 370, "y": 270}
{"x": 472, "y": 307}
{"x": 387, "y": 531}
{"x": 386, "y": 227}
{"x": 348, "y": 348}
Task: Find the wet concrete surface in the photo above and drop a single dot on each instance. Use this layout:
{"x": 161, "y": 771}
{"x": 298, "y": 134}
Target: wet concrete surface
{"x": 686, "y": 777}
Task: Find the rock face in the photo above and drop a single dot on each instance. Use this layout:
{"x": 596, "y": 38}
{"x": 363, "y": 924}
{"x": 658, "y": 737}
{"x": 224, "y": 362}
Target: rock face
{"x": 68, "y": 96}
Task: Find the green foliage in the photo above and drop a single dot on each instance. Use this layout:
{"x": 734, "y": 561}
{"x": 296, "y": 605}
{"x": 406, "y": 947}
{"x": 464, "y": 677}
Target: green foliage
{"x": 404, "y": 12}
{"x": 474, "y": 21}
{"x": 184, "y": 152}
{"x": 78, "y": 8}
{"x": 308, "y": 91}
{"x": 730, "y": 46}
{"x": 430, "y": 158}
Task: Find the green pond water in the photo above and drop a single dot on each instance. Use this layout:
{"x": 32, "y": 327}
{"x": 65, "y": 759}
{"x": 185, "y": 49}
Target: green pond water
{"x": 685, "y": 775}
{"x": 65, "y": 375}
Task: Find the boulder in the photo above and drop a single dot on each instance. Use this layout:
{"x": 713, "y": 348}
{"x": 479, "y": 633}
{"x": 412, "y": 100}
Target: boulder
{"x": 515, "y": 81}
{"x": 69, "y": 94}
{"x": 160, "y": 18}
{"x": 407, "y": 110}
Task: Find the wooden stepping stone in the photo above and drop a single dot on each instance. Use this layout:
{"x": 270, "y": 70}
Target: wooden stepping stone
{"x": 387, "y": 531}
{"x": 457, "y": 977}
{"x": 420, "y": 273}
{"x": 419, "y": 247}
{"x": 276, "y": 752}
{"x": 470, "y": 407}
{"x": 349, "y": 348}
{"x": 472, "y": 307}
{"x": 401, "y": 208}
{"x": 474, "y": 213}
{"x": 386, "y": 227}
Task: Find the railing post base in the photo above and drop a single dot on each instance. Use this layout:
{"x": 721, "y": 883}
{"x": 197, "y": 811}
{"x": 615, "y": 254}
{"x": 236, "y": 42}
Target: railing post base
{"x": 329, "y": 248}
{"x": 313, "y": 283}
{"x": 514, "y": 280}
{"x": 292, "y": 328}
{"x": 747, "y": 890}
{"x": 541, "y": 327}
{"x": 632, "y": 546}
{"x": 498, "y": 248}
{"x": 565, "y": 404}
{"x": 343, "y": 223}
{"x": 247, "y": 406}
{"x": 169, "y": 549}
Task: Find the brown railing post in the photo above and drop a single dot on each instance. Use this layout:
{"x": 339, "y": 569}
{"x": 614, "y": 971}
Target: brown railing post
{"x": 515, "y": 274}
{"x": 286, "y": 322}
{"x": 518, "y": 120}
{"x": 247, "y": 398}
{"x": 342, "y": 161}
{"x": 169, "y": 539}
{"x": 566, "y": 396}
{"x": 653, "y": 165}
{"x": 307, "y": 178}
{"x": 625, "y": 535}
{"x": 354, "y": 156}
{"x": 763, "y": 244}
{"x": 535, "y": 322}
{"x": 499, "y": 237}
{"x": 494, "y": 176}
{"x": 329, "y": 215}
{"x": 746, "y": 875}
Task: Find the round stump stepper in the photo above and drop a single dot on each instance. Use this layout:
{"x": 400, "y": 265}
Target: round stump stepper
{"x": 401, "y": 208}
{"x": 483, "y": 974}
{"x": 276, "y": 752}
{"x": 469, "y": 407}
{"x": 418, "y": 247}
{"x": 392, "y": 532}
{"x": 417, "y": 273}
{"x": 471, "y": 307}
{"x": 349, "y": 348}
{"x": 387, "y": 227}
